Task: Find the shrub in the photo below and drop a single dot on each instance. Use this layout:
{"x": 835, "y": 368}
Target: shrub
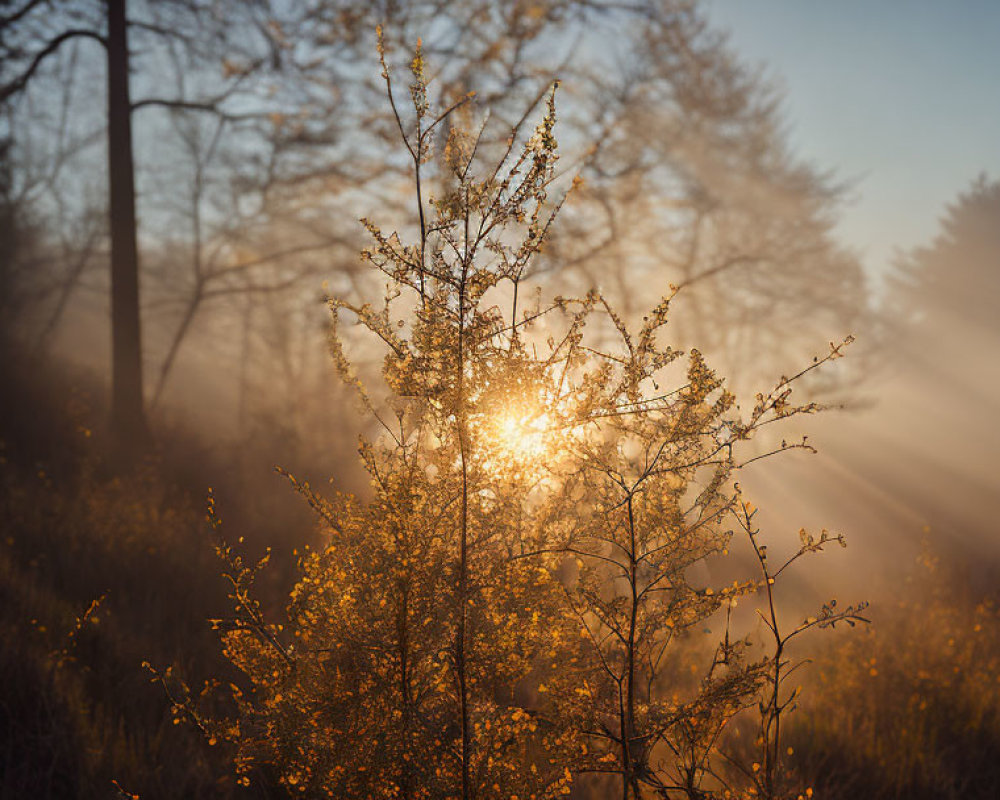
{"x": 506, "y": 610}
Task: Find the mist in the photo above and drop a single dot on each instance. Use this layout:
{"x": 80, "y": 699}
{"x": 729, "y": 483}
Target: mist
{"x": 237, "y": 281}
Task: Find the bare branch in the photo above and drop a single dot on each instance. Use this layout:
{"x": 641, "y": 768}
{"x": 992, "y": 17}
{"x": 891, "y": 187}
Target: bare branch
{"x": 51, "y": 47}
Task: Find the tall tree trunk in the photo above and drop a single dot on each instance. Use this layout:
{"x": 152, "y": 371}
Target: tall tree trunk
{"x": 128, "y": 420}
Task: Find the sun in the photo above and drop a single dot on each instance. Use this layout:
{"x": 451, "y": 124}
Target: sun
{"x": 524, "y": 436}
{"x": 517, "y": 434}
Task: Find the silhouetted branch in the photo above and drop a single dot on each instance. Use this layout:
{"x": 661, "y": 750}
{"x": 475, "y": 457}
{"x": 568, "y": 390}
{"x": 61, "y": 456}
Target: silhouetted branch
{"x": 52, "y": 46}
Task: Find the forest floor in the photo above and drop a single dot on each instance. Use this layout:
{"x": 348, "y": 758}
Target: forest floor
{"x": 907, "y": 708}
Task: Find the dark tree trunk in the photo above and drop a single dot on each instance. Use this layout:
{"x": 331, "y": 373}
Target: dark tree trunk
{"x": 128, "y": 420}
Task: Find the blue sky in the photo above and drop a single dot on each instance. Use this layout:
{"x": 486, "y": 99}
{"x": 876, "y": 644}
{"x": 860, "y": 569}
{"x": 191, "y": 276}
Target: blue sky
{"x": 902, "y": 97}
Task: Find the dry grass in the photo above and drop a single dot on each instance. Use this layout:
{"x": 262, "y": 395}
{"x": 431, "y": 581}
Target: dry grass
{"x": 910, "y": 707}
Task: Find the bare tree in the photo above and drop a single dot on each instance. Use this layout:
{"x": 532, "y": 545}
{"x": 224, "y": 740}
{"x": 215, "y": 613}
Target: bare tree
{"x": 29, "y": 36}
{"x": 267, "y": 150}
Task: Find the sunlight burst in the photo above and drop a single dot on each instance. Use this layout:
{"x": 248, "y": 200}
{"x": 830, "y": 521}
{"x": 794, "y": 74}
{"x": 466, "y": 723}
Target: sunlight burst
{"x": 523, "y": 435}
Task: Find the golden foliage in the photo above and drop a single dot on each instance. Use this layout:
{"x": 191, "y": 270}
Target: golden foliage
{"x": 504, "y": 613}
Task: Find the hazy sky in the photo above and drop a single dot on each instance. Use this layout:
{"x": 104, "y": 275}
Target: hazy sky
{"x": 901, "y": 95}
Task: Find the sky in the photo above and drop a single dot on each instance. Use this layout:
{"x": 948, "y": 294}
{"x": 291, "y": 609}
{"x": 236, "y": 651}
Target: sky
{"x": 899, "y": 97}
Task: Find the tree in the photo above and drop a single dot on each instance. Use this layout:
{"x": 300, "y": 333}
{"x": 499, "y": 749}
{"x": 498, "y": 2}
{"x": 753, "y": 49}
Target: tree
{"x": 439, "y": 621}
{"x": 29, "y": 36}
{"x": 443, "y": 644}
{"x": 649, "y": 496}
{"x": 128, "y": 418}
{"x": 954, "y": 280}
{"x": 939, "y": 366}
{"x": 58, "y": 223}
{"x": 671, "y": 133}
{"x": 15, "y": 236}
{"x": 678, "y": 143}
{"x": 127, "y": 402}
